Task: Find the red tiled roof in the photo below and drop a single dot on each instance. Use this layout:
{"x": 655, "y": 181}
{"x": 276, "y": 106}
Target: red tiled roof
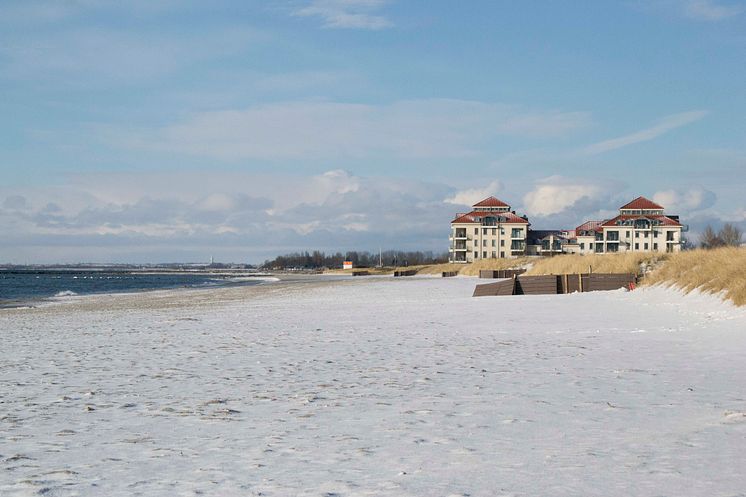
{"x": 472, "y": 217}
{"x": 491, "y": 202}
{"x": 588, "y": 226}
{"x": 664, "y": 220}
{"x": 642, "y": 203}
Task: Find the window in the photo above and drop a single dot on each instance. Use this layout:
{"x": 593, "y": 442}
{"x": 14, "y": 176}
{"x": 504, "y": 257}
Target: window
{"x": 494, "y": 243}
{"x": 484, "y": 255}
{"x": 502, "y": 231}
{"x": 502, "y": 255}
{"x": 637, "y": 246}
{"x": 516, "y": 233}
{"x": 646, "y": 246}
{"x": 476, "y": 255}
{"x": 502, "y": 243}
{"x": 655, "y": 234}
{"x": 646, "y": 234}
{"x": 484, "y": 243}
{"x": 484, "y": 231}
{"x": 655, "y": 246}
{"x": 627, "y": 234}
{"x": 476, "y": 231}
{"x": 669, "y": 236}
{"x": 599, "y": 247}
{"x": 612, "y": 235}
{"x": 613, "y": 247}
{"x": 582, "y": 246}
{"x": 494, "y": 254}
{"x": 516, "y": 245}
{"x": 637, "y": 234}
{"x": 494, "y": 231}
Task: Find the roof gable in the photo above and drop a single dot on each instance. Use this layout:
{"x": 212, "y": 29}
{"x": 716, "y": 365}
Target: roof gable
{"x": 642, "y": 203}
{"x": 491, "y": 202}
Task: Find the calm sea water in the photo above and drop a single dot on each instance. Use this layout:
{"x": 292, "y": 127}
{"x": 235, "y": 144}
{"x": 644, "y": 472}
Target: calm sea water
{"x": 20, "y": 285}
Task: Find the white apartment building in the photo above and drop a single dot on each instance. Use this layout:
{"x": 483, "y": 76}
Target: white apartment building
{"x": 641, "y": 226}
{"x": 490, "y": 231}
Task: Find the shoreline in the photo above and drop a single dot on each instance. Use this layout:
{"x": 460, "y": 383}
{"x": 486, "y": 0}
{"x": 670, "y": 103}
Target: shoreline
{"x": 175, "y": 296}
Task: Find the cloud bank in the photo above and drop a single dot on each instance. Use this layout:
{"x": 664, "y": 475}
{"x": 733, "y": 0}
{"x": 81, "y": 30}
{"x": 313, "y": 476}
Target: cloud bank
{"x": 435, "y": 128}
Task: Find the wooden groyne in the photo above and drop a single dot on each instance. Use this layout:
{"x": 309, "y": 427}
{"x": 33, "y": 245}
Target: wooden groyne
{"x": 407, "y": 272}
{"x": 556, "y": 284}
{"x": 500, "y": 273}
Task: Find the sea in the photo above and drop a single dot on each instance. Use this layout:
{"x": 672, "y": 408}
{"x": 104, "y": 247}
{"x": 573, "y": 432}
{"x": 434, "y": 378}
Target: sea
{"x": 24, "y": 285}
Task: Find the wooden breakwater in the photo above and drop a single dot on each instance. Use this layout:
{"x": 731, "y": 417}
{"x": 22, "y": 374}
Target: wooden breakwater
{"x": 407, "y": 272}
{"x": 450, "y": 274}
{"x": 556, "y": 284}
{"x": 500, "y": 273}
{"x": 361, "y": 273}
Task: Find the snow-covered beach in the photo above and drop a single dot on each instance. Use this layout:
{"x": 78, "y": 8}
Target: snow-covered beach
{"x": 374, "y": 386}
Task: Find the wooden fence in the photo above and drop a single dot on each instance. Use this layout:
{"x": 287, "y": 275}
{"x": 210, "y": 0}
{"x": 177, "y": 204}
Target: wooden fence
{"x": 556, "y": 284}
{"x": 360, "y": 273}
{"x": 493, "y": 289}
{"x": 500, "y": 273}
{"x": 408, "y": 272}
{"x": 450, "y": 274}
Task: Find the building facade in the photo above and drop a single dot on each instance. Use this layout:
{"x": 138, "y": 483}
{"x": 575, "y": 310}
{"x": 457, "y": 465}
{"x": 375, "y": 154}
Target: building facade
{"x": 493, "y": 231}
{"x": 490, "y": 231}
{"x": 641, "y": 226}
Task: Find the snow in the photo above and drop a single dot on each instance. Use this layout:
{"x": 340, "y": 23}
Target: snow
{"x": 374, "y": 387}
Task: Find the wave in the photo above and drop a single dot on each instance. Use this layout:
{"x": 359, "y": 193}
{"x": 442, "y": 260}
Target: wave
{"x": 65, "y": 293}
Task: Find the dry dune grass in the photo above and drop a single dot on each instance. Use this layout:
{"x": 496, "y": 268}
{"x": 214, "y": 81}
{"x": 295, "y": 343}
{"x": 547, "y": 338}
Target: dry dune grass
{"x": 711, "y": 271}
{"x": 463, "y": 269}
{"x": 473, "y": 269}
{"x": 605, "y": 263}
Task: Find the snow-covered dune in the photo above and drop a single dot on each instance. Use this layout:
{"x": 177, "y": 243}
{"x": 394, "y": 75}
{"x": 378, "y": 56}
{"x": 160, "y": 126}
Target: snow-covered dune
{"x": 374, "y": 387}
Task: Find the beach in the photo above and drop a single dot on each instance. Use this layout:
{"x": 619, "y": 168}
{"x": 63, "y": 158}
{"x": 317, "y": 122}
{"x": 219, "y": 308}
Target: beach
{"x": 373, "y": 386}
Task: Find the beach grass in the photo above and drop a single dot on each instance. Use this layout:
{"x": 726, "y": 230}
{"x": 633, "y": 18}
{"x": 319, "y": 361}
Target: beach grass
{"x": 721, "y": 270}
{"x": 596, "y": 263}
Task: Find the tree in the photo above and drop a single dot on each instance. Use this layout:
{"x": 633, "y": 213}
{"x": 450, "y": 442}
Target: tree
{"x": 708, "y": 239}
{"x": 730, "y": 236}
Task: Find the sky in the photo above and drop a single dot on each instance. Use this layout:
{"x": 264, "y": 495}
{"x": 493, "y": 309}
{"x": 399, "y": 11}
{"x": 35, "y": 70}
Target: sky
{"x": 166, "y": 130}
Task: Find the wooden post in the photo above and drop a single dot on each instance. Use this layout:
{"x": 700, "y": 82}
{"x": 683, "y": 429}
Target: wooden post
{"x": 564, "y": 284}
{"x": 580, "y": 282}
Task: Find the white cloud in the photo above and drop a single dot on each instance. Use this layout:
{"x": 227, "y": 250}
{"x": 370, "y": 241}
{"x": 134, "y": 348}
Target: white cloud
{"x": 473, "y": 195}
{"x": 312, "y": 130}
{"x": 239, "y": 215}
{"x": 663, "y": 126}
{"x": 556, "y": 194}
{"x": 348, "y": 14}
{"x": 685, "y": 201}
{"x": 708, "y": 10}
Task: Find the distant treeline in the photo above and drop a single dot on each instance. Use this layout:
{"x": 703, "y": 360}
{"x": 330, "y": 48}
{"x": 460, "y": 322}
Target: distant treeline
{"x": 317, "y": 259}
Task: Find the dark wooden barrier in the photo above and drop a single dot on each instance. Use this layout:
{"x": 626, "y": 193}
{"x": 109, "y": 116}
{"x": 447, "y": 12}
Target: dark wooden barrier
{"x": 450, "y": 274}
{"x": 408, "y": 272}
{"x": 537, "y": 285}
{"x": 500, "y": 273}
{"x": 493, "y": 289}
{"x": 360, "y": 273}
{"x": 600, "y": 282}
{"x": 554, "y": 284}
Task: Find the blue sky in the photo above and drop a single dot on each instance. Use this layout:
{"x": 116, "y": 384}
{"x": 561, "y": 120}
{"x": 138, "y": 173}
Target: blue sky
{"x": 176, "y": 130}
